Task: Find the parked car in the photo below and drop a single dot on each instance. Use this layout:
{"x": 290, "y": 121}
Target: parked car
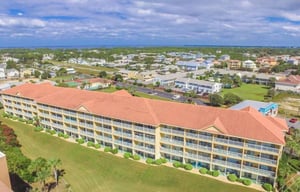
{"x": 293, "y": 120}
{"x": 176, "y": 97}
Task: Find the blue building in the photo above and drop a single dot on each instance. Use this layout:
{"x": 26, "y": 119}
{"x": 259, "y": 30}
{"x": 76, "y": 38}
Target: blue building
{"x": 268, "y": 109}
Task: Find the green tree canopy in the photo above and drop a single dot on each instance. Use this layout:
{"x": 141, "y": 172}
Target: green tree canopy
{"x": 230, "y": 99}
{"x": 215, "y": 99}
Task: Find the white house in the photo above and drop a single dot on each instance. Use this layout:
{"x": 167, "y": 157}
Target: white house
{"x": 12, "y": 73}
{"x": 249, "y": 64}
{"x": 199, "y": 86}
{"x": 2, "y": 73}
{"x": 71, "y": 70}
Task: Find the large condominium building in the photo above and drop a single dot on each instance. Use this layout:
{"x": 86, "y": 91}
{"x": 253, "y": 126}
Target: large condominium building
{"x": 243, "y": 142}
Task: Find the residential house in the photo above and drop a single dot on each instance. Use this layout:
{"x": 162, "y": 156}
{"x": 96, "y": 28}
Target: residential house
{"x": 70, "y": 71}
{"x": 248, "y": 64}
{"x": 26, "y": 72}
{"x": 199, "y": 86}
{"x": 225, "y": 57}
{"x": 233, "y": 64}
{"x": 2, "y": 73}
{"x": 12, "y": 74}
{"x": 167, "y": 80}
{"x": 290, "y": 83}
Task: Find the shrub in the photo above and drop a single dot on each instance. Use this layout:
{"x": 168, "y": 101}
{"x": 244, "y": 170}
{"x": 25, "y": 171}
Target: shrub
{"x": 188, "y": 167}
{"x": 158, "y": 162}
{"x": 114, "y": 151}
{"x": 90, "y": 144}
{"x": 97, "y": 146}
{"x": 203, "y": 170}
{"x": 240, "y": 180}
{"x": 149, "y": 161}
{"x": 209, "y": 172}
{"x": 232, "y": 177}
{"x": 60, "y": 134}
{"x": 66, "y": 136}
{"x": 29, "y": 121}
{"x": 177, "y": 164}
{"x": 215, "y": 173}
{"x": 267, "y": 187}
{"x": 52, "y": 132}
{"x": 80, "y": 141}
{"x": 127, "y": 155}
{"x": 14, "y": 117}
{"x": 136, "y": 157}
{"x": 247, "y": 182}
{"x": 38, "y": 129}
{"x": 163, "y": 160}
{"x": 107, "y": 149}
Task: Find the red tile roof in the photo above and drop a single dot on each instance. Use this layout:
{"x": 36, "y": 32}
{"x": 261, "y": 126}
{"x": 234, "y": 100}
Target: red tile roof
{"x": 292, "y": 79}
{"x": 246, "y": 123}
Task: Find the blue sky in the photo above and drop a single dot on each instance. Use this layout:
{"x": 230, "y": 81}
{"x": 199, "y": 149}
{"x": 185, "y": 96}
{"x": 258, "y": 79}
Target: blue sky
{"x": 149, "y": 22}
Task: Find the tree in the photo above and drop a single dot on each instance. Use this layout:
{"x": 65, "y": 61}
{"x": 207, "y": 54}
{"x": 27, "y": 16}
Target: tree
{"x": 37, "y": 74}
{"x": 41, "y": 170}
{"x": 292, "y": 142}
{"x": 237, "y": 81}
{"x": 215, "y": 99}
{"x": 227, "y": 81}
{"x": 10, "y": 64}
{"x": 118, "y": 78}
{"x": 272, "y": 82}
{"x": 103, "y": 74}
{"x": 230, "y": 98}
{"x": 61, "y": 72}
{"x": 54, "y": 163}
{"x": 46, "y": 75}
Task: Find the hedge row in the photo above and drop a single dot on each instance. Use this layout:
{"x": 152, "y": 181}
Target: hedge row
{"x": 92, "y": 144}
{"x": 111, "y": 150}
{"x": 233, "y": 178}
{"x": 182, "y": 165}
{"x": 214, "y": 173}
{"x": 267, "y": 187}
{"x": 156, "y": 162}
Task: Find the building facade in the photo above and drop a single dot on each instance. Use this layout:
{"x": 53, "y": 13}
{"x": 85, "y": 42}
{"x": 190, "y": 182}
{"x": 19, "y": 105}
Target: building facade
{"x": 215, "y": 138}
{"x": 199, "y": 86}
{"x": 5, "y": 185}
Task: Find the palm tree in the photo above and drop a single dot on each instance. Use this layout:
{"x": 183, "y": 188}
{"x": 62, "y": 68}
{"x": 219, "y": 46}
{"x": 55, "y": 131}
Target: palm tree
{"x": 41, "y": 170}
{"x": 54, "y": 163}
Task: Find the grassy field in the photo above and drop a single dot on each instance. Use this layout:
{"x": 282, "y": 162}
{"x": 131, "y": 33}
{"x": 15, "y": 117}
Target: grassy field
{"x": 94, "y": 171}
{"x": 248, "y": 91}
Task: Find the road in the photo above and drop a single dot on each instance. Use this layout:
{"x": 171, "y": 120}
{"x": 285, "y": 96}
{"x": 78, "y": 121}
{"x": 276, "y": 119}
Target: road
{"x": 159, "y": 93}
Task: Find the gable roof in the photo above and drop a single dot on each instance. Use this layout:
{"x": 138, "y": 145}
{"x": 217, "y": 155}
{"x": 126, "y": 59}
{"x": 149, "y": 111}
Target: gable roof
{"x": 246, "y": 123}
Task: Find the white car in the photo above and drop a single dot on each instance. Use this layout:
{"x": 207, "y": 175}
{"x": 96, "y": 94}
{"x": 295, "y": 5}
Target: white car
{"x": 176, "y": 97}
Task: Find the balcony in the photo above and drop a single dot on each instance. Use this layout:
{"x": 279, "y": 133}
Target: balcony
{"x": 172, "y": 141}
{"x": 204, "y": 148}
{"x": 181, "y": 133}
{"x": 70, "y": 121}
{"x": 172, "y": 151}
{"x": 87, "y": 133}
{"x": 166, "y": 130}
{"x": 262, "y": 148}
{"x": 143, "y": 148}
{"x": 72, "y": 130}
{"x": 259, "y": 171}
{"x": 191, "y": 145}
{"x": 119, "y": 142}
{"x": 259, "y": 159}
{"x": 235, "y": 154}
{"x": 204, "y": 137}
{"x": 220, "y": 151}
{"x": 238, "y": 143}
{"x": 221, "y": 140}
{"x": 192, "y": 135}
{"x": 82, "y": 124}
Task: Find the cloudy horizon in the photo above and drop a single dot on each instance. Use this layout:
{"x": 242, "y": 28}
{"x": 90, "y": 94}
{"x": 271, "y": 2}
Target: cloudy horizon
{"x": 153, "y": 22}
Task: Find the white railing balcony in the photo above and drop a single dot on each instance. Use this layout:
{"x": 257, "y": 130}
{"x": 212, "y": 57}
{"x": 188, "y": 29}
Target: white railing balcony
{"x": 269, "y": 161}
{"x": 71, "y": 129}
{"x": 178, "y": 132}
{"x": 220, "y": 151}
{"x": 221, "y": 162}
{"x": 238, "y": 143}
{"x": 221, "y": 140}
{"x": 235, "y": 165}
{"x": 209, "y": 138}
{"x": 149, "y": 130}
{"x": 204, "y": 148}
{"x": 270, "y": 149}
{"x": 70, "y": 121}
{"x": 127, "y": 135}
{"x": 235, "y": 154}
{"x": 193, "y": 135}
{"x": 166, "y": 130}
{"x": 191, "y": 155}
{"x": 172, "y": 141}
{"x": 176, "y": 152}
{"x": 203, "y": 158}
{"x": 191, "y": 145}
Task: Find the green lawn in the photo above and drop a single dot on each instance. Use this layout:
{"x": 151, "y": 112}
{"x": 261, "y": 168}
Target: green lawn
{"x": 94, "y": 171}
{"x": 248, "y": 91}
